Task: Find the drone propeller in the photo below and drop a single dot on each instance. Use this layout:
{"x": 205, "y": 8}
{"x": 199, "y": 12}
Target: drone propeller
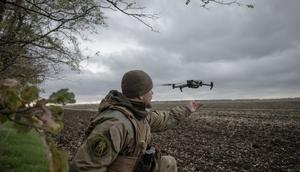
{"x": 166, "y": 84}
{"x": 173, "y": 84}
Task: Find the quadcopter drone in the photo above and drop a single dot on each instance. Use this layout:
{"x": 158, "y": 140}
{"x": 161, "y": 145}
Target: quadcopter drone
{"x": 190, "y": 84}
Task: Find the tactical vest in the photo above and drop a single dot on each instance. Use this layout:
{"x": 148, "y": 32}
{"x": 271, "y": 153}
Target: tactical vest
{"x": 139, "y": 131}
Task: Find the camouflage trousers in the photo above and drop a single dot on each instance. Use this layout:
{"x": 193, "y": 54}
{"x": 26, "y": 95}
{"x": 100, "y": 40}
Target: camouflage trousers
{"x": 166, "y": 164}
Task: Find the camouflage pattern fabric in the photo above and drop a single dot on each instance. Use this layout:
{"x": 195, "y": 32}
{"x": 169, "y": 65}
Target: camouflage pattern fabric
{"x": 112, "y": 135}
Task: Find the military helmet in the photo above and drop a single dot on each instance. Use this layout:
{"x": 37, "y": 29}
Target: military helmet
{"x": 136, "y": 83}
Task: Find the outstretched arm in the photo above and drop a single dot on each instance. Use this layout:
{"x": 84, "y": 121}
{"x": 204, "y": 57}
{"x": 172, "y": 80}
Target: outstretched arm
{"x": 163, "y": 120}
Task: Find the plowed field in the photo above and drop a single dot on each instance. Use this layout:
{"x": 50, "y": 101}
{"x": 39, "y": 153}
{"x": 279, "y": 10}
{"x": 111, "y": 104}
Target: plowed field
{"x": 222, "y": 136}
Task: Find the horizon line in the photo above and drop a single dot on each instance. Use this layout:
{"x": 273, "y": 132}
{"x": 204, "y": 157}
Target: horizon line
{"x": 236, "y": 99}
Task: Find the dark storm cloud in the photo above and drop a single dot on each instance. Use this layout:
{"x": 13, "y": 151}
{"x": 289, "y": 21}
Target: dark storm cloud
{"x": 228, "y": 33}
{"x": 248, "y": 53}
{"x": 158, "y": 63}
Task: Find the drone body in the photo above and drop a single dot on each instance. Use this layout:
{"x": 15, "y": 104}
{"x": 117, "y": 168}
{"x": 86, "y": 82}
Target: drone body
{"x": 190, "y": 84}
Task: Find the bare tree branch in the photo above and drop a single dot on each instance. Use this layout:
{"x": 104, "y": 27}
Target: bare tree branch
{"x": 234, "y": 2}
{"x": 138, "y": 16}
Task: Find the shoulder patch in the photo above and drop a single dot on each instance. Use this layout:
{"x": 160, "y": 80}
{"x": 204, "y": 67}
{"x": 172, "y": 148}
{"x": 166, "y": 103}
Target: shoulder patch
{"x": 98, "y": 145}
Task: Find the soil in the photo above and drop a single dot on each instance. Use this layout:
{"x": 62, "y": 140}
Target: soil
{"x": 216, "y": 138}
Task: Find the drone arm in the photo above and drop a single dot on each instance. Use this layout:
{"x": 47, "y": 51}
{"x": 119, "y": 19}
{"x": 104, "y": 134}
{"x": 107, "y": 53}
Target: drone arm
{"x": 211, "y": 85}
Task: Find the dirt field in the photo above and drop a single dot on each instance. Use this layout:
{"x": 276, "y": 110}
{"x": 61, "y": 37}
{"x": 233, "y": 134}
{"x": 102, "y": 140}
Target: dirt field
{"x": 222, "y": 136}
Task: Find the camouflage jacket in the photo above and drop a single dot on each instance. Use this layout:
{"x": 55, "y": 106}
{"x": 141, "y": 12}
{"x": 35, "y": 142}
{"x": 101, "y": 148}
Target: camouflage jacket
{"x": 118, "y": 136}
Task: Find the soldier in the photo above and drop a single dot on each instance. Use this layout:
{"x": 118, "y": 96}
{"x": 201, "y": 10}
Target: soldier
{"x": 118, "y": 138}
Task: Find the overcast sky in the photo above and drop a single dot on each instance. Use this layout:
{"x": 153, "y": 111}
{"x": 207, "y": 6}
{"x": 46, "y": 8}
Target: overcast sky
{"x": 247, "y": 53}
